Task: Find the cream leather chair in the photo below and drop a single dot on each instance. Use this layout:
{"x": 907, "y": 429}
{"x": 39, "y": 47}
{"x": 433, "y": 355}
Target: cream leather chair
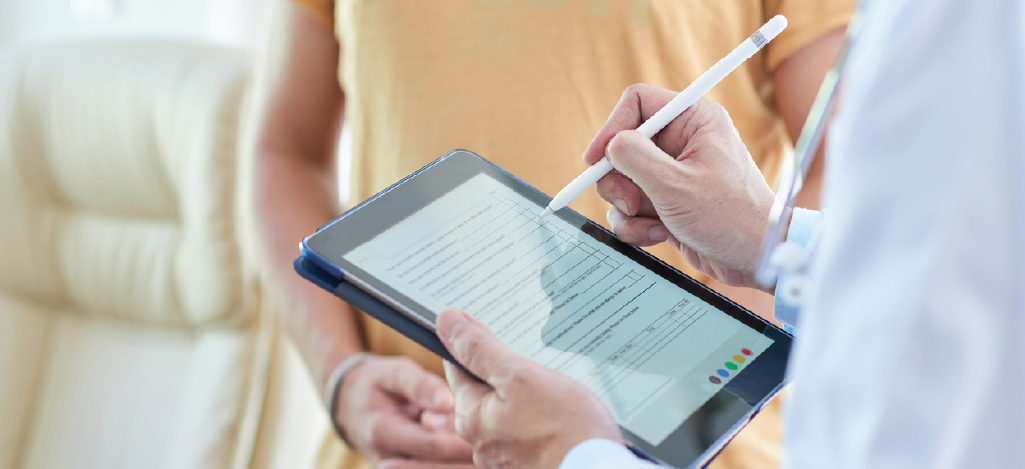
{"x": 130, "y": 335}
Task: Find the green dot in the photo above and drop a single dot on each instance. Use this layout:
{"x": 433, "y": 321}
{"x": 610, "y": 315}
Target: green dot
{"x": 731, "y": 365}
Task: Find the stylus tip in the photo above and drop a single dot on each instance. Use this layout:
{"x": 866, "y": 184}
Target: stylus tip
{"x": 548, "y": 211}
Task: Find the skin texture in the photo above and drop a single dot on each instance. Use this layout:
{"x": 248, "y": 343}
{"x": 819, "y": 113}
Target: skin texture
{"x": 294, "y": 192}
{"x": 509, "y": 416}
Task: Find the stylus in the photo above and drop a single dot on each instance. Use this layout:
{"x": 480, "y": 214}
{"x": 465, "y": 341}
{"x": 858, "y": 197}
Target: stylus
{"x": 674, "y": 108}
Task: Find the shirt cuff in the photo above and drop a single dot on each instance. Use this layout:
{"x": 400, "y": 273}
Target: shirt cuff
{"x": 599, "y": 453}
{"x": 803, "y": 224}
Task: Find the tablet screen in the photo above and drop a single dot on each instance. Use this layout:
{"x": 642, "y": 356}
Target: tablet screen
{"x": 653, "y": 352}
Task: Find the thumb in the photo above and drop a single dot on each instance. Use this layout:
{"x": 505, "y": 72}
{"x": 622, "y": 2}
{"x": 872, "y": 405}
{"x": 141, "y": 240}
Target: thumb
{"x": 475, "y": 347}
{"x": 638, "y": 158}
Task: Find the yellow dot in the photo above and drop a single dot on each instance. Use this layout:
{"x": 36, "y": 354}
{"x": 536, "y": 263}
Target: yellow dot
{"x": 738, "y": 359}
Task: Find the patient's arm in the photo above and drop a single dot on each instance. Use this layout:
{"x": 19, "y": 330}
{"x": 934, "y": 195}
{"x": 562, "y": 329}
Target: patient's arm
{"x": 296, "y": 187}
{"x": 797, "y": 80}
{"x": 295, "y": 190}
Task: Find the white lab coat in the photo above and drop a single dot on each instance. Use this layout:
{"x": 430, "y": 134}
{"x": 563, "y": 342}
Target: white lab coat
{"x": 912, "y": 349}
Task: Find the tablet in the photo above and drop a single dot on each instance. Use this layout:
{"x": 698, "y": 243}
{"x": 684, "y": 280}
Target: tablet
{"x": 681, "y": 368}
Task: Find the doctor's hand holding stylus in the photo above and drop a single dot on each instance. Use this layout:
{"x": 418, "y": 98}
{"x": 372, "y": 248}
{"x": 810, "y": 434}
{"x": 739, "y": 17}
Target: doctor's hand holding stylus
{"x": 694, "y": 185}
{"x": 672, "y": 108}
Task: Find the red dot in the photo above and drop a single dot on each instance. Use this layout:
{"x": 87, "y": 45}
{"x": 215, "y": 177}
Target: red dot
{"x": 745, "y": 351}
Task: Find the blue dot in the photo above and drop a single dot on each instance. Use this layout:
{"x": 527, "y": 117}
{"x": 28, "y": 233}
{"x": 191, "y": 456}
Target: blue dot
{"x": 723, "y": 373}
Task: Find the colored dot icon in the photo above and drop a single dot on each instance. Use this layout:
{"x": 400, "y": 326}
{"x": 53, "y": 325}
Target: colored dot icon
{"x": 731, "y": 366}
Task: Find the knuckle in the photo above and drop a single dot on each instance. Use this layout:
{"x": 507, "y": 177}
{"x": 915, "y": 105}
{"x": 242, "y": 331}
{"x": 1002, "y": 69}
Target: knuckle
{"x": 519, "y": 376}
{"x": 716, "y": 107}
{"x": 634, "y": 89}
{"x": 716, "y": 111}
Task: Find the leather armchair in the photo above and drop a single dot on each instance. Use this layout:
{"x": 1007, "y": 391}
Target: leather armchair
{"x": 130, "y": 334}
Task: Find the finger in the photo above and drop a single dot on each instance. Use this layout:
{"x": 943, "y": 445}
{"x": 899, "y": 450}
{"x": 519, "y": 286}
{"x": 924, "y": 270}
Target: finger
{"x": 466, "y": 391}
{"x": 411, "y": 410}
{"x": 469, "y": 394}
{"x": 623, "y": 194}
{"x": 476, "y": 348}
{"x": 675, "y": 138}
{"x": 638, "y": 103}
{"x": 417, "y": 385}
{"x": 647, "y": 166}
{"x": 439, "y": 421}
{"x": 394, "y": 435}
{"x": 417, "y": 464}
{"x": 638, "y": 231}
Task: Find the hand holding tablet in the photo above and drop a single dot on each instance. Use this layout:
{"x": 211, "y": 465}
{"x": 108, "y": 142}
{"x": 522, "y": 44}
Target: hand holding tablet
{"x": 524, "y": 406}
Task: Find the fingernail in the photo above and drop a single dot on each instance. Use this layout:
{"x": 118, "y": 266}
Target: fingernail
{"x": 621, "y": 205}
{"x": 658, "y": 234}
{"x": 449, "y": 322}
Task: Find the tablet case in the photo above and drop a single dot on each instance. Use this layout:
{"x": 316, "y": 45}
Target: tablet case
{"x": 375, "y": 308}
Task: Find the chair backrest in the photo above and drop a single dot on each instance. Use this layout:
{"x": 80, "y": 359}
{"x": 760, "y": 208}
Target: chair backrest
{"x": 127, "y": 336}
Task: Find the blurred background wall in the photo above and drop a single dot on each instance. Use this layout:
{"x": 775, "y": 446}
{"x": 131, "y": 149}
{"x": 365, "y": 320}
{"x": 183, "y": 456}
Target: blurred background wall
{"x": 234, "y": 23}
{"x": 292, "y": 422}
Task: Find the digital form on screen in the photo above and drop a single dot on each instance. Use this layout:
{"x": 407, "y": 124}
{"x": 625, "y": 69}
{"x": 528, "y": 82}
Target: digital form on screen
{"x": 652, "y": 351}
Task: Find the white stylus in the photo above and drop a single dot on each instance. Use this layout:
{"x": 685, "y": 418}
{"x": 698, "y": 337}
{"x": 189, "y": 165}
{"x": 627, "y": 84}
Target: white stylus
{"x": 674, "y": 108}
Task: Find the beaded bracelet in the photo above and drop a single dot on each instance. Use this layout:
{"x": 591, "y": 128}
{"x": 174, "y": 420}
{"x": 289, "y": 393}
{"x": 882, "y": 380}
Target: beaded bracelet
{"x": 334, "y": 385}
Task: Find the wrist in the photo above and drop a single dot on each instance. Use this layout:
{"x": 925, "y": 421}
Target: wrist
{"x": 333, "y": 389}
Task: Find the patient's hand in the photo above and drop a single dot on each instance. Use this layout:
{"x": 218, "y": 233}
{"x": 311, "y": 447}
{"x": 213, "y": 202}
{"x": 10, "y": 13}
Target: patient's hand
{"x": 693, "y": 185}
{"x": 392, "y": 412}
{"x": 526, "y": 416}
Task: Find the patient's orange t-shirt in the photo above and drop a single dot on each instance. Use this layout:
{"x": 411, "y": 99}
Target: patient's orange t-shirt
{"x": 527, "y": 83}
